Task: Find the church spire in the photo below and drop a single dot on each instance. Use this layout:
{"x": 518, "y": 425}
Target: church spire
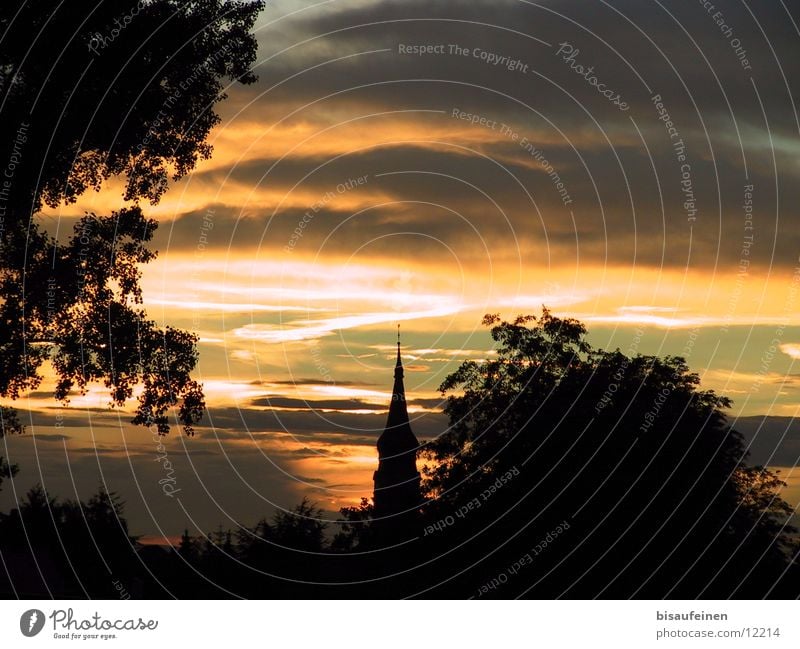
{"x": 397, "y": 481}
{"x": 399, "y": 364}
{"x": 398, "y": 412}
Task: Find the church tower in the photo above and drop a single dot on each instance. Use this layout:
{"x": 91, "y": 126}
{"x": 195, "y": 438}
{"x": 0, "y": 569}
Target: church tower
{"x": 397, "y": 494}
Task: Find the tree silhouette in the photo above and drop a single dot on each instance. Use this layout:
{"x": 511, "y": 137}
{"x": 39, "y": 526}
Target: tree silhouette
{"x": 7, "y": 470}
{"x": 626, "y": 456}
{"x": 68, "y": 548}
{"x": 115, "y": 88}
{"x": 355, "y": 527}
{"x": 91, "y": 91}
{"x": 187, "y": 547}
{"x": 301, "y": 528}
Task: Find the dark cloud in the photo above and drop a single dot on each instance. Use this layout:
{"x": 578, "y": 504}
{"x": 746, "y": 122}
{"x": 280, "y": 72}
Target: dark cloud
{"x": 303, "y": 478}
{"x": 772, "y": 441}
{"x": 620, "y": 166}
{"x": 307, "y": 452}
{"x": 101, "y": 450}
{"x": 73, "y": 417}
{"x": 310, "y": 405}
{"x": 333, "y": 427}
{"x": 44, "y": 437}
{"x": 739, "y": 126}
{"x": 428, "y": 403}
{"x": 639, "y": 45}
{"x": 306, "y": 382}
{"x": 333, "y": 404}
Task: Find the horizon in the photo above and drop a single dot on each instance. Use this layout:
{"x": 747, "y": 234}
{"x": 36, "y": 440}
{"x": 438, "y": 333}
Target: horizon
{"x": 325, "y": 216}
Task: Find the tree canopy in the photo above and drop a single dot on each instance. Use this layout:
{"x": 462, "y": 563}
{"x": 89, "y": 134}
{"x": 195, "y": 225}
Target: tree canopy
{"x": 628, "y": 451}
{"x": 66, "y": 548}
{"x": 91, "y": 91}
{"x": 106, "y": 88}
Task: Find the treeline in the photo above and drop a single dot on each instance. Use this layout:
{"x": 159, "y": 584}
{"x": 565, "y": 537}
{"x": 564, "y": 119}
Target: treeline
{"x": 565, "y": 471}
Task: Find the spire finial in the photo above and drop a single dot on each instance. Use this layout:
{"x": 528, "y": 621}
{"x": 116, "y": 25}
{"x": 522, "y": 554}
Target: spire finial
{"x": 399, "y": 365}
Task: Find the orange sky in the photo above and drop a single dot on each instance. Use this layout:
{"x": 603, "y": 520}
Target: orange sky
{"x": 346, "y": 195}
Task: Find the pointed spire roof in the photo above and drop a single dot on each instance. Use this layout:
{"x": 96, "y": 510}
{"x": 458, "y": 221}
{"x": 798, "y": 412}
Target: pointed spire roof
{"x": 398, "y": 413}
{"x": 397, "y": 437}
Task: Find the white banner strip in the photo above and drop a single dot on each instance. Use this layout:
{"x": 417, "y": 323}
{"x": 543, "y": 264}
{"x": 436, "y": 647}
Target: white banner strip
{"x": 393, "y": 624}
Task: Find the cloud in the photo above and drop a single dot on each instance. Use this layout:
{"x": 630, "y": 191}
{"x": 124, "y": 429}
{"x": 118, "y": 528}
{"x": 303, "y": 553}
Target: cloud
{"x": 338, "y": 100}
{"x": 312, "y": 382}
{"x": 791, "y": 349}
{"x": 330, "y": 404}
{"x": 310, "y": 330}
{"x": 771, "y": 441}
{"x": 312, "y": 480}
{"x": 304, "y": 426}
{"x": 44, "y": 437}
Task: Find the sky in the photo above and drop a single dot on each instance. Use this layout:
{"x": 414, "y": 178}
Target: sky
{"x": 633, "y": 164}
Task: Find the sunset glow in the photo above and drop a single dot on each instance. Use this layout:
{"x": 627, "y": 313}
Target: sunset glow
{"x": 355, "y": 188}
